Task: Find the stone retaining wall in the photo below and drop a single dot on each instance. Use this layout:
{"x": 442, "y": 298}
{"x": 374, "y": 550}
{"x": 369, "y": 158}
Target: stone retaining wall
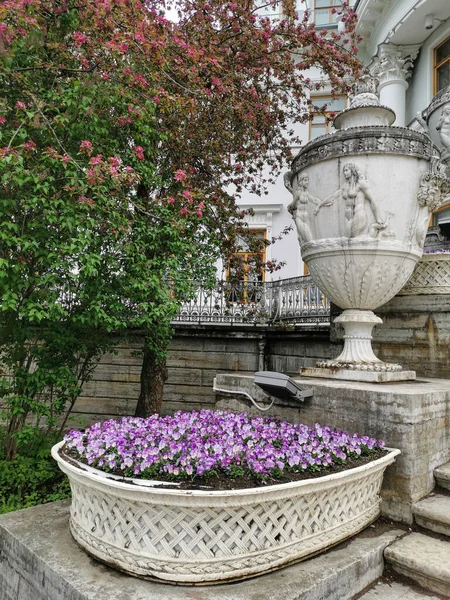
{"x": 196, "y": 355}
{"x": 415, "y": 333}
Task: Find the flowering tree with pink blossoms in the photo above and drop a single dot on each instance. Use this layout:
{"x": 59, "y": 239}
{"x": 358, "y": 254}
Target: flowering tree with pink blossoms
{"x": 121, "y": 134}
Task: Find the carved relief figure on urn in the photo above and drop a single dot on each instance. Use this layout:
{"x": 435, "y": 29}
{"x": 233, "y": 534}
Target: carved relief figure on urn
{"x": 355, "y": 192}
{"x": 298, "y": 208}
{"x": 443, "y": 126}
{"x": 433, "y": 187}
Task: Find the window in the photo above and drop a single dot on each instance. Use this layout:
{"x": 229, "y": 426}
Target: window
{"x": 319, "y": 124}
{"x": 265, "y": 9}
{"x": 441, "y": 213}
{"x": 323, "y": 12}
{"x": 442, "y": 66}
{"x": 245, "y": 274}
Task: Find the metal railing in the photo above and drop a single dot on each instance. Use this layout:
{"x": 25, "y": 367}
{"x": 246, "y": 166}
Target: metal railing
{"x": 296, "y": 300}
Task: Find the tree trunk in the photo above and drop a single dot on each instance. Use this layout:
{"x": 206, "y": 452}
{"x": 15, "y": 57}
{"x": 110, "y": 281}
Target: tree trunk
{"x": 16, "y": 423}
{"x": 153, "y": 375}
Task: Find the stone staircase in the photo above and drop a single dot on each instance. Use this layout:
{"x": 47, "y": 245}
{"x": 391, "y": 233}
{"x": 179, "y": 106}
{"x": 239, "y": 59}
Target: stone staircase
{"x": 425, "y": 556}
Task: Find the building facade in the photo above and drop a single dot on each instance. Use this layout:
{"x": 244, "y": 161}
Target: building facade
{"x": 406, "y": 45}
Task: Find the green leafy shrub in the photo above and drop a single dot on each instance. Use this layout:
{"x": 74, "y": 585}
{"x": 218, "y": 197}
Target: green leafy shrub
{"x": 31, "y": 478}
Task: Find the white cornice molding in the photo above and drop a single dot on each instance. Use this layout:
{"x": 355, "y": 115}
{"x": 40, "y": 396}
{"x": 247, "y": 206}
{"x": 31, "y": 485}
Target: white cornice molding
{"x": 262, "y": 208}
{"x": 262, "y": 214}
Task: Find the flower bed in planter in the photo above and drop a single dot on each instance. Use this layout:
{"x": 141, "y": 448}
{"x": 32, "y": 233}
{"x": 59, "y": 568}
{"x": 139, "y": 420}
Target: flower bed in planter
{"x": 157, "y": 530}
{"x": 430, "y": 276}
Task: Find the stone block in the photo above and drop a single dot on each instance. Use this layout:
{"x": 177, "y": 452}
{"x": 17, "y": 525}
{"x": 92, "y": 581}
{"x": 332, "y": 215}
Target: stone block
{"x": 184, "y": 376}
{"x": 95, "y": 405}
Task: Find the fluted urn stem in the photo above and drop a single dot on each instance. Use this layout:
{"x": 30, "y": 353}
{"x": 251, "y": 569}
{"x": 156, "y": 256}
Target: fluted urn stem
{"x": 357, "y": 353}
{"x": 358, "y": 325}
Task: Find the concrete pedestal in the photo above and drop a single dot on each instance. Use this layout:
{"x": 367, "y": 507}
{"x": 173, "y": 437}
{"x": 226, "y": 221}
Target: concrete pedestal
{"x": 412, "y": 416}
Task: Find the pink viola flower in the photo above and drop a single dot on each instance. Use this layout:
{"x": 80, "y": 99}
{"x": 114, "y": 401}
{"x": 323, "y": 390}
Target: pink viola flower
{"x": 193, "y": 444}
{"x": 21, "y": 105}
{"x": 171, "y": 200}
{"x": 183, "y": 211}
{"x": 2, "y": 120}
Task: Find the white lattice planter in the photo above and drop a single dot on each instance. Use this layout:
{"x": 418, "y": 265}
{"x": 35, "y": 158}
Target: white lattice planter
{"x": 206, "y": 537}
{"x": 430, "y": 276}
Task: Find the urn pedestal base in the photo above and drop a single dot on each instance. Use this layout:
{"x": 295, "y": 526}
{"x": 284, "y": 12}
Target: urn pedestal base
{"x": 357, "y": 361}
{"x": 353, "y": 375}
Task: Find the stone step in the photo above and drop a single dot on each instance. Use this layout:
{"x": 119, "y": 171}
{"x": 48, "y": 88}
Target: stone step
{"x": 424, "y": 559}
{"x": 442, "y": 476}
{"x": 395, "y": 591}
{"x": 433, "y": 513}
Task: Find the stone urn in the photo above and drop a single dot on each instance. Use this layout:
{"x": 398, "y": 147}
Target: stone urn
{"x": 362, "y": 197}
{"x": 436, "y": 122}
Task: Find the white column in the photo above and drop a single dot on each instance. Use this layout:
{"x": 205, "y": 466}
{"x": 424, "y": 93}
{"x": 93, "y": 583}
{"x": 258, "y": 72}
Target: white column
{"x": 393, "y": 95}
{"x": 392, "y": 66}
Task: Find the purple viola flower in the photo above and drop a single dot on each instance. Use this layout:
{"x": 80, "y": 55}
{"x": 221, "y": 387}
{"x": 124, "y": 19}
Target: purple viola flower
{"x": 196, "y": 444}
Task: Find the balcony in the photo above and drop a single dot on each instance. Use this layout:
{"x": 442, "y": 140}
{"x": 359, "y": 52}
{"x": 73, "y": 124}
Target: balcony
{"x": 295, "y": 301}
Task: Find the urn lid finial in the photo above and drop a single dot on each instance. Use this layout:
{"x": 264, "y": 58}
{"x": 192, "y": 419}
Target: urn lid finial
{"x": 365, "y": 108}
{"x": 365, "y": 92}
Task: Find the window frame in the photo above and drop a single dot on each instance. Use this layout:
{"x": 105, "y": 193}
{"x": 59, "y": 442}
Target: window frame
{"x": 328, "y": 124}
{"x": 433, "y": 216}
{"x": 436, "y": 65}
{"x": 248, "y": 253}
{"x": 330, "y": 22}
{"x": 248, "y": 295}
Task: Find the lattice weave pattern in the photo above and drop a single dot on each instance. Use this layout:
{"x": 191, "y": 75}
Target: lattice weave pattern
{"x": 202, "y": 540}
{"x": 431, "y": 276}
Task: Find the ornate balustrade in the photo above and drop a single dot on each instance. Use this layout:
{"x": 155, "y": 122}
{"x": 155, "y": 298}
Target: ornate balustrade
{"x": 294, "y": 300}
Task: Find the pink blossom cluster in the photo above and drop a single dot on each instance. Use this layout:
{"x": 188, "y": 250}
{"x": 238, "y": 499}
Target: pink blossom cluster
{"x": 100, "y": 168}
{"x": 197, "y": 444}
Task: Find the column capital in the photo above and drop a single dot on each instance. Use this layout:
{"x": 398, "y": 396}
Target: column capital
{"x": 394, "y": 63}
